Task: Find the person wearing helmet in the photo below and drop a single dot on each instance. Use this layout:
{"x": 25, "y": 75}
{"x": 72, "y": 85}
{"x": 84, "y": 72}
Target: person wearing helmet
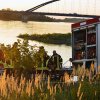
{"x": 56, "y": 60}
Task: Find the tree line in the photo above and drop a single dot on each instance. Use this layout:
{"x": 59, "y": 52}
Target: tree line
{"x": 22, "y": 55}
{"x": 7, "y": 14}
{"x": 54, "y": 38}
{"x": 10, "y": 14}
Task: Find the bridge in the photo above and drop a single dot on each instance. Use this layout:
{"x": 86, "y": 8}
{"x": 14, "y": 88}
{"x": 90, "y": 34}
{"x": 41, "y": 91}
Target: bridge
{"x": 64, "y": 14}
{"x": 66, "y": 8}
{"x": 41, "y": 5}
{"x": 33, "y": 11}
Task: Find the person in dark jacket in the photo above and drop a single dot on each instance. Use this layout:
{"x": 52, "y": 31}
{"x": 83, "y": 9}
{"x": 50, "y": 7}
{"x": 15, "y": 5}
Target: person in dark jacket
{"x": 56, "y": 60}
{"x": 43, "y": 57}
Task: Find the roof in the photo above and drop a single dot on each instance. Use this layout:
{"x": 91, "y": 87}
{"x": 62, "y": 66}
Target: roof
{"x": 87, "y": 22}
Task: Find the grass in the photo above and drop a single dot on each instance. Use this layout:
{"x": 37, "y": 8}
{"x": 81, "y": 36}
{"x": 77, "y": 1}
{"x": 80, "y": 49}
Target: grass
{"x": 55, "y": 38}
{"x": 41, "y": 87}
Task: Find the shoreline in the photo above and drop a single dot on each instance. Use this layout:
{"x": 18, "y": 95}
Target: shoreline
{"x": 54, "y": 38}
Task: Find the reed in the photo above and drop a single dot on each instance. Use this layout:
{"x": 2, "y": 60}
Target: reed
{"x": 13, "y": 88}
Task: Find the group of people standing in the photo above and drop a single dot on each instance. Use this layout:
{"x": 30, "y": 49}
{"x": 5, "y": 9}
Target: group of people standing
{"x": 52, "y": 62}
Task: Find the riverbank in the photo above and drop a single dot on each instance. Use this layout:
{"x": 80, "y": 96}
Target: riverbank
{"x": 7, "y": 15}
{"x": 55, "y": 38}
{"x": 10, "y": 15}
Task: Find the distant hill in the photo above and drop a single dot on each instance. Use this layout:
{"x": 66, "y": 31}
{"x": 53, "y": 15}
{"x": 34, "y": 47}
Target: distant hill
{"x": 21, "y": 16}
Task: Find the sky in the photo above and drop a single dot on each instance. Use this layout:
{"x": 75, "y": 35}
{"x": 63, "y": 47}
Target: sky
{"x": 69, "y": 6}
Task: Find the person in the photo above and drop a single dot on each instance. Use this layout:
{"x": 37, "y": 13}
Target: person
{"x": 55, "y": 61}
{"x": 45, "y": 59}
{"x": 50, "y": 64}
{"x": 42, "y": 57}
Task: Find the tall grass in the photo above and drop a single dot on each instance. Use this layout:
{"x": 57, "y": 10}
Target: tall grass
{"x": 41, "y": 87}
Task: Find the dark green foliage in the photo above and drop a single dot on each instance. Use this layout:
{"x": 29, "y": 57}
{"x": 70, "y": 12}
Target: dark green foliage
{"x": 90, "y": 91}
{"x": 55, "y": 38}
{"x": 22, "y": 55}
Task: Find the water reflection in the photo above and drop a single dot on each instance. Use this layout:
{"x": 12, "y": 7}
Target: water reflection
{"x": 9, "y": 30}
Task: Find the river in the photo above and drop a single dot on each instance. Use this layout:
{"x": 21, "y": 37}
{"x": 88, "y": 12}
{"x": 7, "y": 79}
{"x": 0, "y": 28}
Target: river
{"x": 9, "y": 30}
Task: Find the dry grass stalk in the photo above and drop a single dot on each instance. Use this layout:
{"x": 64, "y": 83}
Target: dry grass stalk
{"x": 67, "y": 79}
{"x": 79, "y": 90}
{"x": 10, "y": 85}
{"x": 55, "y": 89}
{"x": 36, "y": 82}
{"x": 95, "y": 93}
{"x": 60, "y": 88}
{"x": 48, "y": 87}
{"x": 80, "y": 98}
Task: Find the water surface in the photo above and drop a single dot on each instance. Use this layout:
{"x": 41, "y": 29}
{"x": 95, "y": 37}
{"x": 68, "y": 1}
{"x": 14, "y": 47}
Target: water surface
{"x": 9, "y": 30}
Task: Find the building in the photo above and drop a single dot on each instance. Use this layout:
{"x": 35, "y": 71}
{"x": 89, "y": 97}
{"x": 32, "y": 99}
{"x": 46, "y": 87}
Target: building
{"x": 86, "y": 43}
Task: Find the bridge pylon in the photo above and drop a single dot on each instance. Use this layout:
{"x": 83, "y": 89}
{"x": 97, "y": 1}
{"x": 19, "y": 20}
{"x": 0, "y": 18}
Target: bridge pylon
{"x": 24, "y": 18}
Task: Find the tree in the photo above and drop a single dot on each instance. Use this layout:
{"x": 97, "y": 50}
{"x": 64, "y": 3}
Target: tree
{"x": 26, "y": 55}
{"x": 16, "y": 55}
{"x": 22, "y": 55}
